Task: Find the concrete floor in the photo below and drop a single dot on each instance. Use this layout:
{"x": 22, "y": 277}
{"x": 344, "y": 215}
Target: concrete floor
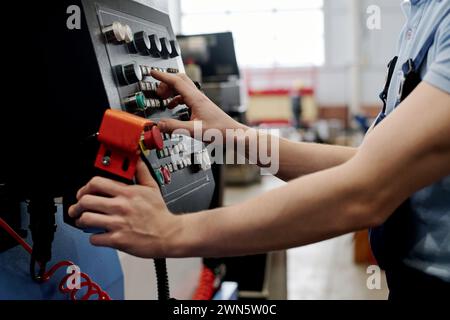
{"x": 322, "y": 271}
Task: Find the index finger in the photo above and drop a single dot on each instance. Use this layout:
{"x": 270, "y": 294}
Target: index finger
{"x": 180, "y": 82}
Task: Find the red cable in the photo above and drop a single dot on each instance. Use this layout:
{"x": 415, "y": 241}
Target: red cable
{"x": 93, "y": 289}
{"x": 206, "y": 288}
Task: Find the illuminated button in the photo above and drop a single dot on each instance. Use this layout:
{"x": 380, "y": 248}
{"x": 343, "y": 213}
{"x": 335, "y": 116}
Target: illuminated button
{"x": 160, "y": 154}
{"x": 170, "y": 167}
{"x": 153, "y": 139}
{"x": 135, "y": 102}
{"x": 171, "y": 152}
{"x": 188, "y": 161}
{"x": 176, "y": 149}
{"x": 180, "y": 165}
{"x": 114, "y": 32}
{"x": 159, "y": 176}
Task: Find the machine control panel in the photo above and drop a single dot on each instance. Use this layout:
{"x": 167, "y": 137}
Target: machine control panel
{"x": 130, "y": 40}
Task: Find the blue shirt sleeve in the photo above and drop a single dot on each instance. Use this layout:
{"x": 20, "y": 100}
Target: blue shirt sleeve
{"x": 438, "y": 73}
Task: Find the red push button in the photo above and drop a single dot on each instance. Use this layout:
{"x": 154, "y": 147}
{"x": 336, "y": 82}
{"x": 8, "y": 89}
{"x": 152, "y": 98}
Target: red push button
{"x": 153, "y": 139}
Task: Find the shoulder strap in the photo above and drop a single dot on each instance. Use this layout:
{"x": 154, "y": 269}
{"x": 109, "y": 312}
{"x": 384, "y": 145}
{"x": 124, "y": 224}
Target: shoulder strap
{"x": 384, "y": 93}
{"x": 410, "y": 65}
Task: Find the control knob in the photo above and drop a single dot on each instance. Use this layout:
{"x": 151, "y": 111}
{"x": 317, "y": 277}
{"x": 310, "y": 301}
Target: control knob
{"x": 114, "y": 32}
{"x": 128, "y": 73}
{"x": 155, "y": 46}
{"x": 166, "y": 50}
{"x": 176, "y": 51}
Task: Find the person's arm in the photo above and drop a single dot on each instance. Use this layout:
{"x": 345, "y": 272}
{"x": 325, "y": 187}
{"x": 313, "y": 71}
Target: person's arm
{"x": 408, "y": 151}
{"x": 295, "y": 159}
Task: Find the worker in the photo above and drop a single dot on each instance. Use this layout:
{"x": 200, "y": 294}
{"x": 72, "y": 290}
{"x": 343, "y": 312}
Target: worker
{"x": 397, "y": 183}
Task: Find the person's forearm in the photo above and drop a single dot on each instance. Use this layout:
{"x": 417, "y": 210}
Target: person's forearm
{"x": 293, "y": 215}
{"x": 295, "y": 158}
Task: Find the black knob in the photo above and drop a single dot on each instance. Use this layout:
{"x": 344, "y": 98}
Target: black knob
{"x": 142, "y": 43}
{"x": 176, "y": 51}
{"x": 129, "y": 73}
{"x": 155, "y": 46}
{"x": 166, "y": 48}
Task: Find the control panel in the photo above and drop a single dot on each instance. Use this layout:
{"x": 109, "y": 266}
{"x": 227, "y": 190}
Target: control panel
{"x": 128, "y": 41}
{"x": 135, "y": 45}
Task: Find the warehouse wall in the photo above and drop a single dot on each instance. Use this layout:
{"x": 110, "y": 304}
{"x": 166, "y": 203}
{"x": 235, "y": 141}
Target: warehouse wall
{"x": 333, "y": 80}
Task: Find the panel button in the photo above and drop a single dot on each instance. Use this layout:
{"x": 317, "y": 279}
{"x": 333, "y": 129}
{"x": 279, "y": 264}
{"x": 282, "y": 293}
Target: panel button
{"x": 166, "y": 48}
{"x": 176, "y": 51}
{"x": 129, "y": 37}
{"x": 142, "y": 43}
{"x": 115, "y": 32}
{"x": 128, "y": 74}
{"x": 155, "y": 46}
{"x": 135, "y": 102}
{"x": 166, "y": 174}
{"x": 159, "y": 177}
{"x": 153, "y": 139}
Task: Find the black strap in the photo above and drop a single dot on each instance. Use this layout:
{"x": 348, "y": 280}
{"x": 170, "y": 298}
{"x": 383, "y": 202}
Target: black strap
{"x": 383, "y": 95}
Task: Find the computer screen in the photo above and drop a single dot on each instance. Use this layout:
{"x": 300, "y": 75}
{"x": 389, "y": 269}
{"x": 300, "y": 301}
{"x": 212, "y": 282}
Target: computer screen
{"x": 214, "y": 53}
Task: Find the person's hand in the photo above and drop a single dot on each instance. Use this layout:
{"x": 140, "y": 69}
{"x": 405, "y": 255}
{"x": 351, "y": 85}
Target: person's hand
{"x": 136, "y": 218}
{"x": 203, "y": 109}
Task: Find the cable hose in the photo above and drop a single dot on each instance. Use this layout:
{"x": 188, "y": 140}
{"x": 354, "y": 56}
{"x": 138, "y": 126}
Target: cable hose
{"x": 162, "y": 279}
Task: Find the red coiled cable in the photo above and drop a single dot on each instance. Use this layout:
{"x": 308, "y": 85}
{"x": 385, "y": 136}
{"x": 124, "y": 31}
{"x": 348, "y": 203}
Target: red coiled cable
{"x": 93, "y": 289}
{"x": 206, "y": 287}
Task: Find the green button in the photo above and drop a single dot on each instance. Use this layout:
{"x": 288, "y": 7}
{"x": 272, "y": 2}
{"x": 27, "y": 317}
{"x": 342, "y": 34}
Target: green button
{"x": 140, "y": 100}
{"x": 159, "y": 177}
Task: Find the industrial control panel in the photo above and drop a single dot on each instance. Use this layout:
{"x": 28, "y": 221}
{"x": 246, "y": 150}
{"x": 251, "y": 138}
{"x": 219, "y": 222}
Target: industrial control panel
{"x": 129, "y": 40}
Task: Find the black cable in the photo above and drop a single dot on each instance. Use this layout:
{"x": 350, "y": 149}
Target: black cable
{"x": 162, "y": 279}
{"x": 42, "y": 211}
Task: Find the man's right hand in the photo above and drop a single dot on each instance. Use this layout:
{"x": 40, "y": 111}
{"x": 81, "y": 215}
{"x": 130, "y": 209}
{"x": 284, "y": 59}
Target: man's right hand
{"x": 202, "y": 108}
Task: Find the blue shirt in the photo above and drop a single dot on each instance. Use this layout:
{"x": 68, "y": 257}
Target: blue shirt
{"x": 430, "y": 252}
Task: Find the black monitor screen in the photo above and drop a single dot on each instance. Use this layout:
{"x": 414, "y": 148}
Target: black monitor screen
{"x": 214, "y": 53}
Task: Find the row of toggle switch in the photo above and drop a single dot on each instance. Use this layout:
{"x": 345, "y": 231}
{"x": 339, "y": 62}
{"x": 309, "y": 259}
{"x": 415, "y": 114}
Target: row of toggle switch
{"x": 170, "y": 151}
{"x": 131, "y": 73}
{"x": 141, "y": 42}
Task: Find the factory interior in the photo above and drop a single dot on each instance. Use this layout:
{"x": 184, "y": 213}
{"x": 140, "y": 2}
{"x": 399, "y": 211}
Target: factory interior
{"x": 307, "y": 71}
